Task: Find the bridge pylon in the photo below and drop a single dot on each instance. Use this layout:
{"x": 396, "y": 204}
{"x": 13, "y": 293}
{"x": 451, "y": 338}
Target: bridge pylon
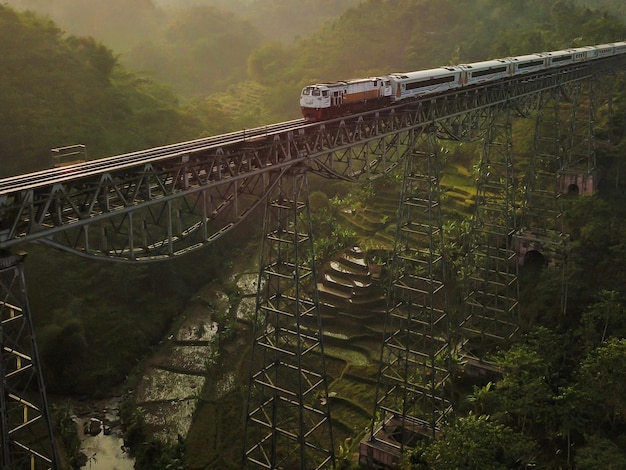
{"x": 288, "y": 421}
{"x": 25, "y": 427}
{"x": 580, "y": 174}
{"x": 413, "y": 391}
{"x": 541, "y": 238}
{"x": 490, "y": 286}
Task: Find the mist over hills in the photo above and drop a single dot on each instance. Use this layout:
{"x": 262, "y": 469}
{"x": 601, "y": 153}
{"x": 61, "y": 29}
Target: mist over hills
{"x": 201, "y": 47}
{"x": 225, "y": 50}
{"x": 120, "y": 23}
{"x": 203, "y": 69}
{"x": 198, "y": 47}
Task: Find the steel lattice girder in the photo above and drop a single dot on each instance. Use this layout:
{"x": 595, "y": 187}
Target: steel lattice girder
{"x": 27, "y": 442}
{"x": 186, "y": 199}
{"x": 288, "y": 418}
{"x": 413, "y": 379}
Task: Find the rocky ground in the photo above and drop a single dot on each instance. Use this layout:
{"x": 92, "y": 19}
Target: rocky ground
{"x": 173, "y": 381}
{"x": 173, "y": 377}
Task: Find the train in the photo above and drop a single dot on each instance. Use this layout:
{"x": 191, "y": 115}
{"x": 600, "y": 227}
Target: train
{"x": 325, "y": 101}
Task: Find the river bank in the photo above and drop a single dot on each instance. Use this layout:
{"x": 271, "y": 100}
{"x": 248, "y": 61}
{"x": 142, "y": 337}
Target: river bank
{"x": 192, "y": 389}
{"x": 170, "y": 382}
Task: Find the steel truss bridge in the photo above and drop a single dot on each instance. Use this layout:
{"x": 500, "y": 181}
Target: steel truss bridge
{"x": 160, "y": 203}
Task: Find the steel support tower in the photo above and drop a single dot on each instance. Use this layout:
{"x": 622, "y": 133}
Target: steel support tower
{"x": 580, "y": 151}
{"x": 491, "y": 291}
{"x": 26, "y": 431}
{"x": 288, "y": 422}
{"x": 542, "y": 212}
{"x": 413, "y": 389}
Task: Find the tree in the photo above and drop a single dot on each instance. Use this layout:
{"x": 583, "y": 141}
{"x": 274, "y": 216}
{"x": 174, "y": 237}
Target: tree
{"x": 606, "y": 317}
{"x": 267, "y": 63}
{"x": 601, "y": 382}
{"x": 475, "y": 442}
{"x": 524, "y": 392}
{"x": 63, "y": 351}
{"x": 600, "y": 452}
{"x": 96, "y": 55}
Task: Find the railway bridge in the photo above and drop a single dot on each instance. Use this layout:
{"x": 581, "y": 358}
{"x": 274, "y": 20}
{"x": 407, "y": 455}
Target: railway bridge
{"x": 160, "y": 203}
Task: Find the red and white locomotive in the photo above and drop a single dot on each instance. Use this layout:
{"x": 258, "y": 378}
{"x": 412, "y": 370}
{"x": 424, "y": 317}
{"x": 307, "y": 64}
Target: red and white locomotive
{"x": 329, "y": 100}
{"x": 326, "y": 100}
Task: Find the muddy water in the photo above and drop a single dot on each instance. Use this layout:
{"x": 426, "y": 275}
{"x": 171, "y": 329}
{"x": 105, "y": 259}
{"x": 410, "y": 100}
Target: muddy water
{"x": 104, "y": 451}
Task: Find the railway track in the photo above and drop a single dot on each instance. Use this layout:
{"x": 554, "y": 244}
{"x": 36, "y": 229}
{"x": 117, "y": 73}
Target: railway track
{"x": 119, "y": 162}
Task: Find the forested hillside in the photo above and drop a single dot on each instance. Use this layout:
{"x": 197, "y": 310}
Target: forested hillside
{"x": 561, "y": 403}
{"x": 59, "y": 90}
{"x": 196, "y": 47}
{"x": 615, "y": 7}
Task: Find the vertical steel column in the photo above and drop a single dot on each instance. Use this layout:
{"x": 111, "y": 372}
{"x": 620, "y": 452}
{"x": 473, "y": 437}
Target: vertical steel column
{"x": 288, "y": 417}
{"x": 491, "y": 291}
{"x": 542, "y": 211}
{"x": 580, "y": 151}
{"x": 412, "y": 393}
{"x": 27, "y": 440}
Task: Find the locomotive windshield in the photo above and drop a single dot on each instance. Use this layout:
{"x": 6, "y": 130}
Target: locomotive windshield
{"x": 314, "y": 91}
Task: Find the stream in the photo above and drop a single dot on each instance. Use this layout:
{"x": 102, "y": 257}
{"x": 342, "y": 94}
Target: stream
{"x": 104, "y": 450}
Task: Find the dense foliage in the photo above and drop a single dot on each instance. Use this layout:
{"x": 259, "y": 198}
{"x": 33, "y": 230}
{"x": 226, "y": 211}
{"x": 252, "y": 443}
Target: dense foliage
{"x": 197, "y": 47}
{"x": 59, "y": 90}
{"x": 196, "y": 62}
{"x": 561, "y": 402}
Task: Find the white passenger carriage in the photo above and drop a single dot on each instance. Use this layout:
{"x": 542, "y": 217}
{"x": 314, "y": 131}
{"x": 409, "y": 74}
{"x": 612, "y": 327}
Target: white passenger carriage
{"x": 620, "y": 48}
{"x": 485, "y": 71}
{"x": 580, "y": 54}
{"x": 558, "y": 58}
{"x": 605, "y": 50}
{"x": 528, "y": 63}
{"x": 413, "y": 84}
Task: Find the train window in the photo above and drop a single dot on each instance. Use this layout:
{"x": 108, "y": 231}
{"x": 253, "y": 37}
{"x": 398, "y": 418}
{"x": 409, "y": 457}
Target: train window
{"x": 480, "y": 73}
{"x": 430, "y": 82}
{"x": 561, "y": 59}
{"x": 534, "y": 63}
{"x": 306, "y": 91}
{"x": 325, "y": 93}
{"x": 316, "y": 92}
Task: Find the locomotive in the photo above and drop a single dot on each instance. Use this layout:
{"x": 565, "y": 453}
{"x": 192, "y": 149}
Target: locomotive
{"x": 329, "y": 100}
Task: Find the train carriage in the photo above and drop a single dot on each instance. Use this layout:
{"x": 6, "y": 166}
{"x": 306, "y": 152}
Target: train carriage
{"x": 605, "y": 50}
{"x": 580, "y": 54}
{"x": 528, "y": 63}
{"x": 485, "y": 71}
{"x": 413, "y": 84}
{"x": 558, "y": 58}
{"x": 620, "y": 48}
